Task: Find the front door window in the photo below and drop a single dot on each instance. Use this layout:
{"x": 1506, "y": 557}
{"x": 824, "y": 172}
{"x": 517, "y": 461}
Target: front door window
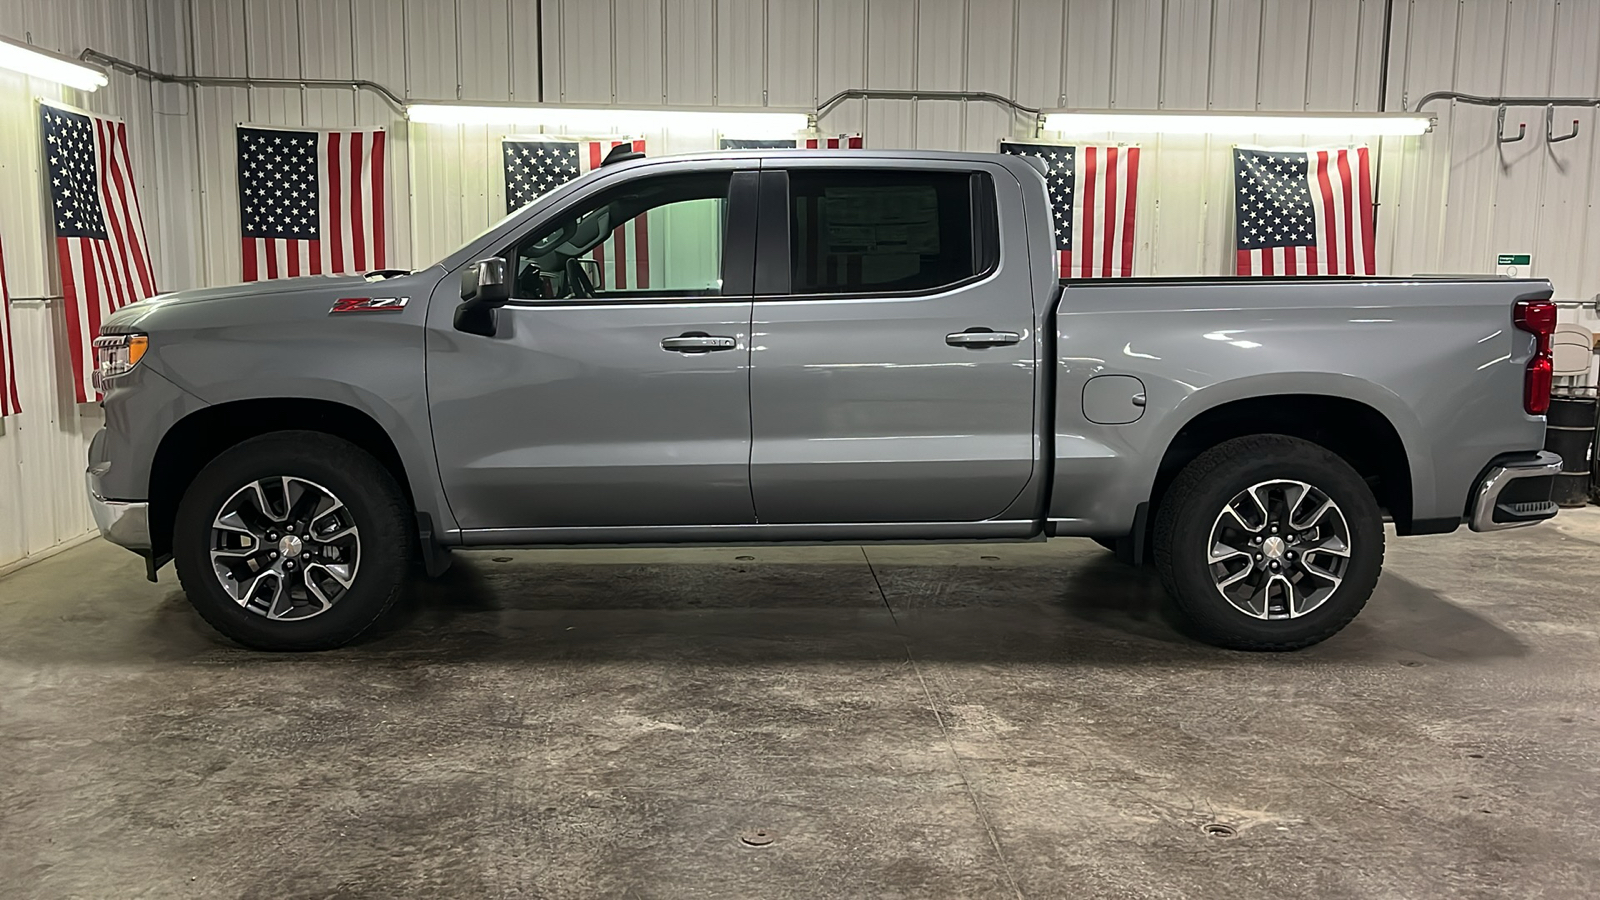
{"x": 653, "y": 237}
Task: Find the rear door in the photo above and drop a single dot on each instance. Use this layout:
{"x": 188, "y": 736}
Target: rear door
{"x": 892, "y": 363}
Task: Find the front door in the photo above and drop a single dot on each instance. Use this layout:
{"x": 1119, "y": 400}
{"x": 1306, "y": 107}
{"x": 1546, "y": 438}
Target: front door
{"x": 615, "y": 391}
{"x": 892, "y": 376}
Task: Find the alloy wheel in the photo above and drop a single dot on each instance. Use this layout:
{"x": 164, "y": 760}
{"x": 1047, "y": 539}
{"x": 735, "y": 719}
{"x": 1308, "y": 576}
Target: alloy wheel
{"x": 1279, "y": 549}
{"x": 285, "y": 548}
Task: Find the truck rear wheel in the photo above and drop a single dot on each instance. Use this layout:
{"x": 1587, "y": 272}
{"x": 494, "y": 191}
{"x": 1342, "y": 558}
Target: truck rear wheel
{"x": 1268, "y": 542}
{"x": 294, "y": 540}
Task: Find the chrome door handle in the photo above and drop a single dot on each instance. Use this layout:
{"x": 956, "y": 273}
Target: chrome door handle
{"x": 698, "y": 343}
{"x": 980, "y": 338}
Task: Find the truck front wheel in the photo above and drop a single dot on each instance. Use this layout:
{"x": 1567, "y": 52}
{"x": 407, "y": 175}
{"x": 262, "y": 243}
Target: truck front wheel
{"x": 294, "y": 540}
{"x": 1268, "y": 542}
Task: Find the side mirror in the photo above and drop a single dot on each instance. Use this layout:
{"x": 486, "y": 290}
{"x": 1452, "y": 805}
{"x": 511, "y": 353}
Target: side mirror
{"x": 487, "y": 282}
{"x": 485, "y": 287}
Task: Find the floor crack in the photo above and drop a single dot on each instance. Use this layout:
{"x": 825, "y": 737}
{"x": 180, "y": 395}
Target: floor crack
{"x": 949, "y": 739}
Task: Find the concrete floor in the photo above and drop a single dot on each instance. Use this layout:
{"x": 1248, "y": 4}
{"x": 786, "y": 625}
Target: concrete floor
{"x": 972, "y": 721}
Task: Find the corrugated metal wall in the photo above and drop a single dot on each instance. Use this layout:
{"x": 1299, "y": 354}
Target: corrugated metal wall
{"x": 1451, "y": 200}
{"x": 1465, "y": 197}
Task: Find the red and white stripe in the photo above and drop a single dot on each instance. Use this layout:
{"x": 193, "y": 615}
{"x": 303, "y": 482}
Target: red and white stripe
{"x": 100, "y": 276}
{"x": 1341, "y": 201}
{"x": 10, "y": 402}
{"x": 623, "y": 258}
{"x": 1104, "y": 201}
{"x": 350, "y": 214}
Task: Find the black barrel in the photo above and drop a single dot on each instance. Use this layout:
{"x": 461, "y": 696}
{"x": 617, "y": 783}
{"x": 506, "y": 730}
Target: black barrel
{"x": 1570, "y": 434}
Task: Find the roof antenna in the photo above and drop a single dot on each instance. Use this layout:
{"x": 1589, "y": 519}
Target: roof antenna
{"x": 622, "y": 153}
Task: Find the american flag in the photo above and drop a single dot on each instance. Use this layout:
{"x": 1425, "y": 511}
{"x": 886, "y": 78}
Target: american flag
{"x": 538, "y": 165}
{"x": 1094, "y": 192}
{"x": 100, "y": 239}
{"x": 1303, "y": 212}
{"x": 310, "y": 202}
{"x": 9, "y": 401}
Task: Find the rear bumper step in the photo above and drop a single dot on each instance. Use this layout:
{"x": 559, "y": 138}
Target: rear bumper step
{"x": 1515, "y": 492}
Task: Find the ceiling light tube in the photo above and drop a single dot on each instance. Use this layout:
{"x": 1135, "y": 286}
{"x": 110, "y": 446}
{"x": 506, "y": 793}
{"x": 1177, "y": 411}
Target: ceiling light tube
{"x": 1099, "y": 121}
{"x": 752, "y": 124}
{"x": 39, "y": 63}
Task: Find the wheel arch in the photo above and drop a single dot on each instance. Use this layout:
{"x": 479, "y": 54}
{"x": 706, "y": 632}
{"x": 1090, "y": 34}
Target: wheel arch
{"x": 201, "y": 436}
{"x": 1356, "y": 430}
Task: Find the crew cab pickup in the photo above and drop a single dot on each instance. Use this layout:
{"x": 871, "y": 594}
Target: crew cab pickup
{"x": 805, "y": 346}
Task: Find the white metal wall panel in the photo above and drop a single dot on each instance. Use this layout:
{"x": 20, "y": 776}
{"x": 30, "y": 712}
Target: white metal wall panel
{"x": 587, "y": 68}
{"x": 741, "y": 53}
{"x": 640, "y": 43}
{"x": 691, "y": 63}
{"x": 327, "y": 50}
{"x": 272, "y": 50}
{"x": 430, "y": 46}
{"x": 1036, "y": 72}
{"x": 891, "y": 64}
{"x": 1369, "y": 56}
{"x": 522, "y": 29}
{"x": 792, "y": 53}
{"x": 941, "y": 66}
{"x": 991, "y": 51}
{"x": 841, "y": 58}
{"x": 1235, "y": 54}
{"x": 1419, "y": 207}
{"x": 483, "y": 46}
{"x": 1285, "y": 39}
{"x": 1136, "y": 41}
{"x": 1568, "y": 196}
{"x": 1513, "y": 218}
{"x": 377, "y": 42}
{"x": 1332, "y": 55}
{"x": 1088, "y": 53}
{"x": 1185, "y": 49}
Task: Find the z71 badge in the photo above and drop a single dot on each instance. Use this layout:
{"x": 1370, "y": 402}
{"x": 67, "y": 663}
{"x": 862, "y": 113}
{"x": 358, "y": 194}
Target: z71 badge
{"x": 368, "y": 304}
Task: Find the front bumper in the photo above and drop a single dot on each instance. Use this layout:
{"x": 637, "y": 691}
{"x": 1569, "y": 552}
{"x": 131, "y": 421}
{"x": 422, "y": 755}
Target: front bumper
{"x": 125, "y": 523}
{"x": 1516, "y": 492}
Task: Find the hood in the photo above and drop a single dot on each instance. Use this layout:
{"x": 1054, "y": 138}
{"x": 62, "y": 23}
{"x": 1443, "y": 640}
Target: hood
{"x": 130, "y": 316}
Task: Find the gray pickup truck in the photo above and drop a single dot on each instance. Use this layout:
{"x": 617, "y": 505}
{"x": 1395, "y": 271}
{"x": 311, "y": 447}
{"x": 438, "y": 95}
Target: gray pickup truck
{"x": 803, "y": 346}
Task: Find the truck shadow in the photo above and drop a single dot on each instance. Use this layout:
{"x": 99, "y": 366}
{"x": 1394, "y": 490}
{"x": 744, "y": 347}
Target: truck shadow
{"x": 1083, "y": 608}
{"x": 1071, "y": 604}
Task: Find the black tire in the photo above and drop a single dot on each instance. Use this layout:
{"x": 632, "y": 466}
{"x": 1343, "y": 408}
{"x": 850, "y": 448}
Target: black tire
{"x": 377, "y": 508}
{"x": 1191, "y": 506}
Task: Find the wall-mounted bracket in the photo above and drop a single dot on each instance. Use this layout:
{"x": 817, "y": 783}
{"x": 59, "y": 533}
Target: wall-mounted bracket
{"x": 1550, "y": 124}
{"x": 1500, "y": 129}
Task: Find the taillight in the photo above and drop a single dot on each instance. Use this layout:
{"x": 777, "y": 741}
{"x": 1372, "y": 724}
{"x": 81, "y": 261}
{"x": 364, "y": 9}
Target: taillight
{"x": 1538, "y": 318}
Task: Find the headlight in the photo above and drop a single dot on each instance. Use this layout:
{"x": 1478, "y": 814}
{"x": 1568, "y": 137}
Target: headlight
{"x": 117, "y": 354}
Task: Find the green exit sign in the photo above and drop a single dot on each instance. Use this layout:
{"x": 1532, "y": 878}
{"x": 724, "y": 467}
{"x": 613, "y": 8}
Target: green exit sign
{"x": 1514, "y": 259}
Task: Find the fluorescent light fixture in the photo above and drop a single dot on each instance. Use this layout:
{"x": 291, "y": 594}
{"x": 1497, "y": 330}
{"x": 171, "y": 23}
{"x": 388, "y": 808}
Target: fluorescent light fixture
{"x": 1097, "y": 121}
{"x": 38, "y": 63}
{"x": 749, "y": 124}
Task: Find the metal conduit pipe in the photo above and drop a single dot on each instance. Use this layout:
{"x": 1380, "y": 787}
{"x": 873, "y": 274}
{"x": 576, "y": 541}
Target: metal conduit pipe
{"x": 881, "y": 94}
{"x": 92, "y": 55}
{"x": 1505, "y": 101}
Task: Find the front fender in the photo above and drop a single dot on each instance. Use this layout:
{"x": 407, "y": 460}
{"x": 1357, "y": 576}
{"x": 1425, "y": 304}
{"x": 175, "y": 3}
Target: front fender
{"x": 290, "y": 345}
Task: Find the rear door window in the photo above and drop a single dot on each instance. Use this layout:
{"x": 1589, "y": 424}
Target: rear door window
{"x": 884, "y": 231}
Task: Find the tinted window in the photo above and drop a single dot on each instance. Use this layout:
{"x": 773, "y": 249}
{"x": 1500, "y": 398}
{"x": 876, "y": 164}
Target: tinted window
{"x": 877, "y": 230}
{"x": 650, "y": 237}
